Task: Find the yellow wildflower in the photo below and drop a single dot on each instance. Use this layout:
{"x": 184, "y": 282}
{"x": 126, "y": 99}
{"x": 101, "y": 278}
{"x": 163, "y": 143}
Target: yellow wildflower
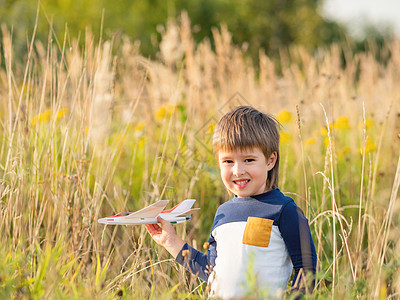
{"x": 284, "y": 116}
{"x": 342, "y": 123}
{"x": 139, "y": 126}
{"x": 160, "y": 113}
{"x": 370, "y": 146}
{"x": 326, "y": 142}
{"x": 324, "y": 131}
{"x": 46, "y": 116}
{"x": 368, "y": 124}
{"x": 141, "y": 142}
{"x": 61, "y": 113}
{"x": 211, "y": 128}
{"x": 42, "y": 117}
{"x": 310, "y": 141}
{"x": 183, "y": 148}
{"x": 383, "y": 293}
{"x": 165, "y": 111}
{"x": 285, "y": 137}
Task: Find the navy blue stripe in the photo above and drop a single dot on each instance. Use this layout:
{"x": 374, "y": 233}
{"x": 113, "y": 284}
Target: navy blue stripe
{"x": 267, "y": 205}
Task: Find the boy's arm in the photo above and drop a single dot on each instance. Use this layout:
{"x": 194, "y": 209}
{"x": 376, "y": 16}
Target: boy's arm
{"x": 297, "y": 236}
{"x": 192, "y": 259}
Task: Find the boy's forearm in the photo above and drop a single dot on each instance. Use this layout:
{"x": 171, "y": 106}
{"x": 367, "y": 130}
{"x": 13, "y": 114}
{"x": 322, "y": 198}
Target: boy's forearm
{"x": 174, "y": 245}
{"x": 194, "y": 261}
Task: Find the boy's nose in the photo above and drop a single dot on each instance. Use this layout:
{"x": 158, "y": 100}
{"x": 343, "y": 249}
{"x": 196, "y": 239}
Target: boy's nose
{"x": 238, "y": 170}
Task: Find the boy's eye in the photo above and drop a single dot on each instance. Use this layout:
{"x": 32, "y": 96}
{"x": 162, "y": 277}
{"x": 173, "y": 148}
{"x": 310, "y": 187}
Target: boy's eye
{"x": 227, "y": 161}
{"x": 249, "y": 159}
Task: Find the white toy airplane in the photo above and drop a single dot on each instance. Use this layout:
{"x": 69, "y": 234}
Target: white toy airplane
{"x": 148, "y": 215}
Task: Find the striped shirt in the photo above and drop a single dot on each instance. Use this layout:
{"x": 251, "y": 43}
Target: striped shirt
{"x": 263, "y": 237}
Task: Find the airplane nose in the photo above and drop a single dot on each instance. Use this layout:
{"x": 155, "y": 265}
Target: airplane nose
{"x": 102, "y": 221}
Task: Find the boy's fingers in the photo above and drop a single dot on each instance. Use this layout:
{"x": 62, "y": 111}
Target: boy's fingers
{"x": 153, "y": 228}
{"x": 150, "y": 229}
{"x": 163, "y": 222}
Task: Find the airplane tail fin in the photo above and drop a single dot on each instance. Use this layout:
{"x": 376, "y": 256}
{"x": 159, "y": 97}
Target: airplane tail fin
{"x": 182, "y": 207}
{"x": 188, "y": 213}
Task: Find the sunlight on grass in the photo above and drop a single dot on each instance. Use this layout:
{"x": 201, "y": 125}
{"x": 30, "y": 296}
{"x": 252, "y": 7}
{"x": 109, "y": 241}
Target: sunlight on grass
{"x": 86, "y": 133}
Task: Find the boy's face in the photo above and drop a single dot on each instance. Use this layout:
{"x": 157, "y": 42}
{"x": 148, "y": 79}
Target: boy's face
{"x": 245, "y": 173}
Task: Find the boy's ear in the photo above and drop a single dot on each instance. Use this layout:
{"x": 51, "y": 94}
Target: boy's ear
{"x": 271, "y": 161}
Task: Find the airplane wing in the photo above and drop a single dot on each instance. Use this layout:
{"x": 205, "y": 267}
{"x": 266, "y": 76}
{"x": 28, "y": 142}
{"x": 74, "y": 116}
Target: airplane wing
{"x": 151, "y": 211}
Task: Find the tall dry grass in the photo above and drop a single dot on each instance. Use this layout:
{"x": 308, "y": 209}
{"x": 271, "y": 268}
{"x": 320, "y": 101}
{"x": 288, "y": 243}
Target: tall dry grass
{"x": 88, "y": 132}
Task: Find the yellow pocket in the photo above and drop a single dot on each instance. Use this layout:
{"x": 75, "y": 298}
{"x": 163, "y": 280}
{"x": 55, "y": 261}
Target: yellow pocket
{"x": 257, "y": 232}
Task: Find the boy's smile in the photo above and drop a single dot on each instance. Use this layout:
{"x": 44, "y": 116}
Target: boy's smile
{"x": 245, "y": 173}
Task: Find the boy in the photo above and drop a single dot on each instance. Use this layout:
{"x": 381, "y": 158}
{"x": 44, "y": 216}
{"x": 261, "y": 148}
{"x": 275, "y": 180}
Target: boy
{"x": 260, "y": 230}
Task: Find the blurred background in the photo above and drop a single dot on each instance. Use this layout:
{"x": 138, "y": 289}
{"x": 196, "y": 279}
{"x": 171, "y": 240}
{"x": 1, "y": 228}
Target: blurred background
{"x": 361, "y": 17}
{"x": 270, "y": 25}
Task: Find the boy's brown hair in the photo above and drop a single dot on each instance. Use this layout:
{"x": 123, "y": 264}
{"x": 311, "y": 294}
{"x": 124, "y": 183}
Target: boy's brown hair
{"x": 243, "y": 128}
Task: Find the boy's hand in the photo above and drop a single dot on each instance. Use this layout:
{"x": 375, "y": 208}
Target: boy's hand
{"x": 166, "y": 236}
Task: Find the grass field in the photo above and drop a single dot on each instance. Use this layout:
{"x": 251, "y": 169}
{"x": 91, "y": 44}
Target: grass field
{"x": 85, "y": 133}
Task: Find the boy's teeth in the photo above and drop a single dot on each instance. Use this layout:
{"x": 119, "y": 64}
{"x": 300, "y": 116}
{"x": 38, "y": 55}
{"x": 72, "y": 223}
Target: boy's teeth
{"x": 241, "y": 182}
